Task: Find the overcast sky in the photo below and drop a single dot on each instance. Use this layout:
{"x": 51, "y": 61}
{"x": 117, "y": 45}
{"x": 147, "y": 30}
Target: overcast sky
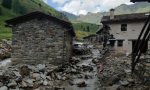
{"x": 84, "y": 6}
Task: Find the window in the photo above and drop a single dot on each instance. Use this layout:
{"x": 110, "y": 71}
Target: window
{"x": 120, "y": 43}
{"x": 123, "y": 27}
{"x": 112, "y": 43}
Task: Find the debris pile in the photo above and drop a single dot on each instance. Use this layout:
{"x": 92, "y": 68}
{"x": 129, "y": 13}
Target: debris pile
{"x": 115, "y": 74}
{"x": 30, "y": 77}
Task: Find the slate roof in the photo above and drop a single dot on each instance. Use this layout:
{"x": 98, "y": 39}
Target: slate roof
{"x": 40, "y": 15}
{"x": 125, "y": 18}
{"x": 139, "y": 1}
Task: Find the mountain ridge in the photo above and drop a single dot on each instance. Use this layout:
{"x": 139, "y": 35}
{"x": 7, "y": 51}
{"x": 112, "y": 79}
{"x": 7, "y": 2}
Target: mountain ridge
{"x": 95, "y": 18}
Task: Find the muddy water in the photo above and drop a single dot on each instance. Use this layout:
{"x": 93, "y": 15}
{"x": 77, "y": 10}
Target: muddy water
{"x": 92, "y": 83}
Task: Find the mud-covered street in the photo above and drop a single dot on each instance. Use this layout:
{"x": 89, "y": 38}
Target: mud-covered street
{"x": 98, "y": 70}
{"x": 86, "y": 80}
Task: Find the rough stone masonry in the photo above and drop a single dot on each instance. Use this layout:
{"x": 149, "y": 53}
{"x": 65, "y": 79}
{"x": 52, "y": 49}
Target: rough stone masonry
{"x": 40, "y": 38}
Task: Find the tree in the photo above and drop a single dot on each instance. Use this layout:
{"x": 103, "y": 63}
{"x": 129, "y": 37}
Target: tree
{"x": 83, "y": 29}
{"x": 0, "y": 11}
{"x": 7, "y": 3}
{"x": 88, "y": 29}
{"x": 40, "y": 5}
{"x": 19, "y": 8}
{"x": 81, "y": 26}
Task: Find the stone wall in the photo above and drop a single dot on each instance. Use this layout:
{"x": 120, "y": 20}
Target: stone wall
{"x": 39, "y": 41}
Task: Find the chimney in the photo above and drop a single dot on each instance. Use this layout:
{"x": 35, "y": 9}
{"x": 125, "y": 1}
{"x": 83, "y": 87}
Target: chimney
{"x": 112, "y": 14}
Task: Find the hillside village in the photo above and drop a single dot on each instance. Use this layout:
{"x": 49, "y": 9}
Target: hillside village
{"x": 44, "y": 49}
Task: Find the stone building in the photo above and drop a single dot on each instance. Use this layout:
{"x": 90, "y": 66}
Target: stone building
{"x": 125, "y": 30}
{"x": 40, "y": 38}
{"x": 103, "y": 35}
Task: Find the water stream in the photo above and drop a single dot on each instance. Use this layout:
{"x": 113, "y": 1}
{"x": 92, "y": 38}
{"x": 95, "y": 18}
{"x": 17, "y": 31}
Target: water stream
{"x": 5, "y": 62}
{"x": 92, "y": 84}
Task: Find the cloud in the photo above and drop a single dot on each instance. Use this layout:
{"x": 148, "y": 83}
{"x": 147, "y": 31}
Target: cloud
{"x": 46, "y": 1}
{"x": 60, "y": 2}
{"x": 84, "y": 6}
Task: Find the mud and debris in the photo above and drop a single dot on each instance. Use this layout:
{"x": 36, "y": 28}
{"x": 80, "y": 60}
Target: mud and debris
{"x": 99, "y": 70}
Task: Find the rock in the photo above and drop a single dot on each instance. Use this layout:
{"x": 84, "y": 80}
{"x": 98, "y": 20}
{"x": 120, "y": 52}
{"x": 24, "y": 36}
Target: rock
{"x": 86, "y": 77}
{"x": 4, "y": 79}
{"x": 64, "y": 78}
{"x": 1, "y": 84}
{"x": 95, "y": 61}
{"x": 124, "y": 83}
{"x": 80, "y": 76}
{"x": 127, "y": 70}
{"x": 58, "y": 77}
{"x": 87, "y": 68}
{"x": 114, "y": 79}
{"x": 45, "y": 83}
{"x": 24, "y": 71}
{"x": 17, "y": 73}
{"x": 114, "y": 87}
{"x": 43, "y": 76}
{"x": 41, "y": 67}
{"x": 34, "y": 69}
{"x": 1, "y": 73}
{"x": 130, "y": 80}
{"x": 81, "y": 84}
{"x": 18, "y": 79}
{"x": 12, "y": 84}
{"x": 23, "y": 84}
{"x": 15, "y": 89}
{"x": 71, "y": 82}
{"x": 74, "y": 71}
{"x": 36, "y": 84}
{"x": 51, "y": 83}
{"x": 29, "y": 82}
{"x": 36, "y": 76}
{"x": 3, "y": 88}
{"x": 48, "y": 78}
{"x": 58, "y": 88}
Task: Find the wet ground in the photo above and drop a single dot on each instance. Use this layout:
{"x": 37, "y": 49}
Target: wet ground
{"x": 92, "y": 83}
{"x": 110, "y": 72}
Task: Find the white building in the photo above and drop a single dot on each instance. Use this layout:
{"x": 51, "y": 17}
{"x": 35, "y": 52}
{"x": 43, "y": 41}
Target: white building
{"x": 125, "y": 29}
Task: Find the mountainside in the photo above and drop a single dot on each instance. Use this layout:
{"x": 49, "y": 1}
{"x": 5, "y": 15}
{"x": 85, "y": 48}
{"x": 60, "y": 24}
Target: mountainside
{"x": 91, "y": 17}
{"x": 70, "y": 16}
{"x": 84, "y": 29}
{"x": 133, "y": 8}
{"x": 13, "y": 8}
{"x": 95, "y": 18}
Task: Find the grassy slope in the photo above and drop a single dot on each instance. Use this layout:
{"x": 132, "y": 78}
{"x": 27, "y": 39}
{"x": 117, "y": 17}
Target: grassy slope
{"x": 21, "y": 7}
{"x": 81, "y": 29}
